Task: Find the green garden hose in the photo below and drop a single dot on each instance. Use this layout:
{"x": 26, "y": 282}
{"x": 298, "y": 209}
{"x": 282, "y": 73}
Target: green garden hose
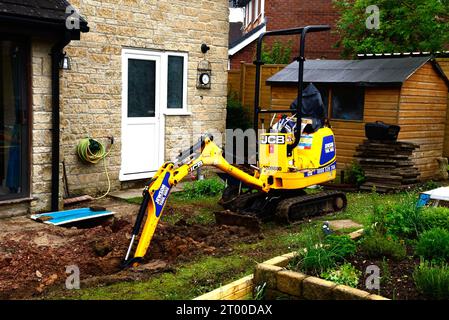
{"x": 92, "y": 152}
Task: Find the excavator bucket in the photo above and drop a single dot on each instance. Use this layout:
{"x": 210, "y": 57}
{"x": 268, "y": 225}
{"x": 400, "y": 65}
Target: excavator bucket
{"x": 230, "y": 218}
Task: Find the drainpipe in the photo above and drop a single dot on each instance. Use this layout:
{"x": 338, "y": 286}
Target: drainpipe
{"x": 57, "y": 54}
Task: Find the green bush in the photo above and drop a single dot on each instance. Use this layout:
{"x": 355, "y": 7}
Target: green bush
{"x": 202, "y": 188}
{"x": 342, "y": 246}
{"x": 280, "y": 53}
{"x": 346, "y": 274}
{"x": 434, "y": 245}
{"x": 355, "y": 174}
{"x": 377, "y": 245}
{"x": 237, "y": 118}
{"x": 435, "y": 217}
{"x": 315, "y": 259}
{"x": 318, "y": 258}
{"x": 432, "y": 280}
{"x": 402, "y": 219}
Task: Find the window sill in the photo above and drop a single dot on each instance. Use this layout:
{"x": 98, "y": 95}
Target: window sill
{"x": 177, "y": 113}
{"x": 17, "y": 201}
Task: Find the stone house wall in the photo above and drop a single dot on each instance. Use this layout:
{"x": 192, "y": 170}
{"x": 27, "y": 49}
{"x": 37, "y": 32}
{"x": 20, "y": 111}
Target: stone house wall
{"x": 91, "y": 91}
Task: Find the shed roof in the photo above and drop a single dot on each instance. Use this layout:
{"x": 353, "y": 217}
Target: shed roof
{"x": 40, "y": 11}
{"x": 368, "y": 72}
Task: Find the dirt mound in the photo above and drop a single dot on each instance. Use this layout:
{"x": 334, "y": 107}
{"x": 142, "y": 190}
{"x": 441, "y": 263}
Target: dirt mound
{"x": 32, "y": 261}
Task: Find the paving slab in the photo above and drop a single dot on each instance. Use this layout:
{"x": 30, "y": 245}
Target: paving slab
{"x": 343, "y": 224}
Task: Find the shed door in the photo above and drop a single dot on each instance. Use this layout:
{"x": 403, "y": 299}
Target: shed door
{"x": 142, "y": 138}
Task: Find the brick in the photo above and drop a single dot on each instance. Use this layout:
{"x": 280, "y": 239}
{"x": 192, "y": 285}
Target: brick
{"x": 342, "y": 292}
{"x": 266, "y": 273}
{"x": 318, "y": 289}
{"x": 278, "y": 261}
{"x": 290, "y": 282}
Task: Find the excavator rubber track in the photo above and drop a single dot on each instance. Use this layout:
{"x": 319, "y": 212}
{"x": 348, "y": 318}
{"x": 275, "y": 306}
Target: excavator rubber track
{"x": 251, "y": 209}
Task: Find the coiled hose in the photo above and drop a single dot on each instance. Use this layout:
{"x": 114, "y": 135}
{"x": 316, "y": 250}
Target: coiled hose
{"x": 92, "y": 151}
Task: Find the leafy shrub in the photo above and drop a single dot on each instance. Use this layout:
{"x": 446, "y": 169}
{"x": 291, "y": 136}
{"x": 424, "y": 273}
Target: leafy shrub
{"x": 280, "y": 53}
{"x": 432, "y": 280}
{"x": 355, "y": 174}
{"x": 402, "y": 219}
{"x": 346, "y": 274}
{"x": 317, "y": 258}
{"x": 434, "y": 245}
{"x": 377, "y": 245}
{"x": 435, "y": 217}
{"x": 201, "y": 188}
{"x": 343, "y": 246}
{"x": 237, "y": 118}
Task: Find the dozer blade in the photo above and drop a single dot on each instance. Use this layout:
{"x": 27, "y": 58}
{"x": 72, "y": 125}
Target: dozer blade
{"x": 230, "y": 218}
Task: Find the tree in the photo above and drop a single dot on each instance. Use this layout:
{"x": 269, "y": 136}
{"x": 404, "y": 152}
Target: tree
{"x": 405, "y": 26}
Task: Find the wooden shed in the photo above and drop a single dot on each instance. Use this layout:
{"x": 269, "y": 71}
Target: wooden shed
{"x": 411, "y": 92}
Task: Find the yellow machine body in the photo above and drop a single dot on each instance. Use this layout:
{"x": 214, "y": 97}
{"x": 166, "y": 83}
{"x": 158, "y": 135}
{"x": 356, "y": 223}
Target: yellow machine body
{"x": 312, "y": 162}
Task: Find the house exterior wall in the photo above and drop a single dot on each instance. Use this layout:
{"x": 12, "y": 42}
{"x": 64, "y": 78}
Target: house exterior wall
{"x": 91, "y": 92}
{"x": 444, "y": 64}
{"x": 41, "y": 126}
{"x": 284, "y": 14}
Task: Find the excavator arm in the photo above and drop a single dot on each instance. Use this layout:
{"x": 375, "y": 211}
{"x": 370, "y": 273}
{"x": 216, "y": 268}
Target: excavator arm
{"x": 156, "y": 193}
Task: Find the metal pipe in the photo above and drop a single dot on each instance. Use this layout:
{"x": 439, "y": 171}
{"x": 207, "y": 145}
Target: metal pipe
{"x": 56, "y": 57}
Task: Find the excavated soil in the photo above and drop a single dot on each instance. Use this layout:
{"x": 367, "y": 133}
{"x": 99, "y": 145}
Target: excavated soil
{"x": 35, "y": 257}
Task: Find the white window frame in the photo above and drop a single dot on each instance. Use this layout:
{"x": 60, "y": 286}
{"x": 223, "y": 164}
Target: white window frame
{"x": 262, "y": 8}
{"x": 184, "y": 110}
{"x": 256, "y": 9}
{"x": 250, "y": 12}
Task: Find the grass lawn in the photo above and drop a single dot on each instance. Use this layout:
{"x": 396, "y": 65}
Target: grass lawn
{"x": 206, "y": 273}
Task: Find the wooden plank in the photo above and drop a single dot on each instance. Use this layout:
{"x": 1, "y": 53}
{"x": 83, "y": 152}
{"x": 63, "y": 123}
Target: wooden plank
{"x": 235, "y": 288}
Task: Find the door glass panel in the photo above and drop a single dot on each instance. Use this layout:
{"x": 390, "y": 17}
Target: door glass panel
{"x": 175, "y": 90}
{"x": 14, "y": 159}
{"x": 141, "y": 88}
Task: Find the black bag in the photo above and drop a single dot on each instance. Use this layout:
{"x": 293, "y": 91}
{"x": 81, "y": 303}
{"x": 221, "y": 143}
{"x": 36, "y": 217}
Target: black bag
{"x": 381, "y": 131}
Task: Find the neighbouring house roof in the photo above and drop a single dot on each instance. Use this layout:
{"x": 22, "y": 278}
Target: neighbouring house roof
{"x": 246, "y": 39}
{"x": 49, "y": 12}
{"x": 367, "y": 72}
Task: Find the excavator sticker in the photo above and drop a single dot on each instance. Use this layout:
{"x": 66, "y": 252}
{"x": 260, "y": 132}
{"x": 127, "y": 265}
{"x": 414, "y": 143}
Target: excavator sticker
{"x": 160, "y": 197}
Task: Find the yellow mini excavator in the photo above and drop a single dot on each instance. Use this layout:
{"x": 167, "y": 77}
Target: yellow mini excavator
{"x": 296, "y": 153}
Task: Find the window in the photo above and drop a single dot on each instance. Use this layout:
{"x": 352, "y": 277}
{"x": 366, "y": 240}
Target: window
{"x": 250, "y": 12}
{"x": 348, "y": 103}
{"x": 14, "y": 120}
{"x": 256, "y": 9}
{"x": 176, "y": 75}
{"x": 141, "y": 88}
{"x": 175, "y": 83}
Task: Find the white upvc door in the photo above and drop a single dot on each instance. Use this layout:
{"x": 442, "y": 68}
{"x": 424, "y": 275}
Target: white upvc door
{"x": 142, "y": 117}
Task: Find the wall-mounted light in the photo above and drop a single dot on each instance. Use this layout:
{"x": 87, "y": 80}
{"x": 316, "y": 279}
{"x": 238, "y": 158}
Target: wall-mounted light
{"x": 66, "y": 63}
{"x": 204, "y": 48}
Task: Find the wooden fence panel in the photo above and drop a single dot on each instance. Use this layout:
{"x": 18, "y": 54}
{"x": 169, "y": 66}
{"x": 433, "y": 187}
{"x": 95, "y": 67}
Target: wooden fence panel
{"x": 246, "y": 77}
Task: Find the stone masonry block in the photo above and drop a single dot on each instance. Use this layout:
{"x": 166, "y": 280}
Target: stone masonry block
{"x": 347, "y": 293}
{"x": 266, "y": 273}
{"x": 290, "y": 282}
{"x": 318, "y": 289}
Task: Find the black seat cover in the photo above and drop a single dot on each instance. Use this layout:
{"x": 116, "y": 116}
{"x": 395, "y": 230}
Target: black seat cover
{"x": 312, "y": 107}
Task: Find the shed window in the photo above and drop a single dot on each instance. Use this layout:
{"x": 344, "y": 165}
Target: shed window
{"x": 348, "y": 103}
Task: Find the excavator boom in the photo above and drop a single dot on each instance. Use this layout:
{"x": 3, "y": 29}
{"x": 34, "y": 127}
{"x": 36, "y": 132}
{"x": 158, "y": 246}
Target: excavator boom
{"x": 156, "y": 193}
